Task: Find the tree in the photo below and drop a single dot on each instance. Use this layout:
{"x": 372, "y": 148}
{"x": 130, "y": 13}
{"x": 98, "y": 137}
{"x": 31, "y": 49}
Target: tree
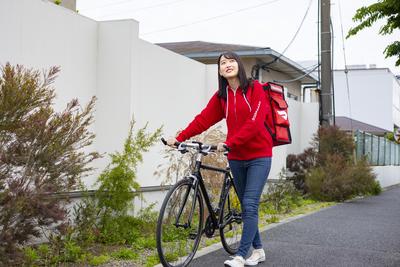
{"x": 42, "y": 152}
{"x": 389, "y": 9}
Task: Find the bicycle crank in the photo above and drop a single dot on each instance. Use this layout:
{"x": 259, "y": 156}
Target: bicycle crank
{"x": 209, "y": 227}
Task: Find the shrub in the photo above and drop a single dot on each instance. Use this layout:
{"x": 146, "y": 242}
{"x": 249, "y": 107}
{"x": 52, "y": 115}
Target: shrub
{"x": 282, "y": 195}
{"x": 41, "y": 153}
{"x": 30, "y": 256}
{"x": 338, "y": 180}
{"x": 118, "y": 180}
{"x": 299, "y": 165}
{"x": 332, "y": 141}
{"x": 118, "y": 188}
{"x": 328, "y": 170}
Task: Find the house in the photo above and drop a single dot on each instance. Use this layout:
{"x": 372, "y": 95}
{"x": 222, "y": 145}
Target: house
{"x": 372, "y": 98}
{"x": 265, "y": 64}
{"x": 261, "y": 63}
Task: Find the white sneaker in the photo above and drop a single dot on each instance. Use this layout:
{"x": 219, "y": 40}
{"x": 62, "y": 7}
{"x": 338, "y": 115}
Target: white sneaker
{"x": 237, "y": 261}
{"x": 256, "y": 257}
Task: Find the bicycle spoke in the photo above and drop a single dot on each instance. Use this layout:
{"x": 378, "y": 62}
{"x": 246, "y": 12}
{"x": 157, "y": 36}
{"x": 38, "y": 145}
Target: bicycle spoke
{"x": 231, "y": 223}
{"x": 179, "y": 227}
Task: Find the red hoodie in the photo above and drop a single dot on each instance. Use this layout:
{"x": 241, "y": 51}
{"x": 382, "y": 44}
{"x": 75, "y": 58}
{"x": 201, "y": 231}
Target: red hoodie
{"x": 247, "y": 136}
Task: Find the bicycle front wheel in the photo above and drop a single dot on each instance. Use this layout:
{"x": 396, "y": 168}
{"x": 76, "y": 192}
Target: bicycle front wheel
{"x": 231, "y": 221}
{"x": 179, "y": 225}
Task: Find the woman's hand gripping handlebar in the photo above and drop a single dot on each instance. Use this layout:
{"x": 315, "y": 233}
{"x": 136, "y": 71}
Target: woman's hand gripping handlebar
{"x": 200, "y": 147}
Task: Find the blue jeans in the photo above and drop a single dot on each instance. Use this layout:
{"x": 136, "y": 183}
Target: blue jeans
{"x": 250, "y": 177}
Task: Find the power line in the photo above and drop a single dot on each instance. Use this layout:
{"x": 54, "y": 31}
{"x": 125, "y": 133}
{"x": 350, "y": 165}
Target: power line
{"x": 305, "y": 69}
{"x": 293, "y": 38}
{"x": 332, "y": 76}
{"x": 211, "y": 18}
{"x": 298, "y": 78}
{"x": 345, "y": 67}
{"x": 265, "y": 66}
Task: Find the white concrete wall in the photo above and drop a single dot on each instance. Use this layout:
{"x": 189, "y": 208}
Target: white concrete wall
{"x": 371, "y": 96}
{"x": 129, "y": 76}
{"x": 35, "y": 34}
{"x": 303, "y": 119}
{"x": 387, "y": 175}
{"x": 170, "y": 92}
{"x": 105, "y": 59}
{"x": 396, "y": 101}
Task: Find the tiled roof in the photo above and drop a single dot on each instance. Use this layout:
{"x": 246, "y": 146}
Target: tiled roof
{"x": 348, "y": 124}
{"x": 199, "y": 46}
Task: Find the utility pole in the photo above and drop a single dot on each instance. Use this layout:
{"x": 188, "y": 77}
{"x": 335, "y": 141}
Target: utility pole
{"x": 326, "y": 71}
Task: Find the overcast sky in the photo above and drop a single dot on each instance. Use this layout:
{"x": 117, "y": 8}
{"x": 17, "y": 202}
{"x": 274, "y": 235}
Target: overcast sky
{"x": 264, "y": 23}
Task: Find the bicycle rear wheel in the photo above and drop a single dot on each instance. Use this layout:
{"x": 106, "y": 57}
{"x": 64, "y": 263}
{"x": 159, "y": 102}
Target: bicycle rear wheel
{"x": 231, "y": 221}
{"x": 178, "y": 228}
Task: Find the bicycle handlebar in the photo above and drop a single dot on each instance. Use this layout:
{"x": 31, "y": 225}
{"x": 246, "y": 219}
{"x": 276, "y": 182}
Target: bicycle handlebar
{"x": 195, "y": 145}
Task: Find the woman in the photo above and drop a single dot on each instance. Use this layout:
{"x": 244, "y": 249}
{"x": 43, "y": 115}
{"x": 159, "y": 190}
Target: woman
{"x": 242, "y": 103}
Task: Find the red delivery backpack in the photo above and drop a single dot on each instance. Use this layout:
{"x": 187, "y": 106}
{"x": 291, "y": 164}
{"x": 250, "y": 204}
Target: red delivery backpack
{"x": 278, "y": 123}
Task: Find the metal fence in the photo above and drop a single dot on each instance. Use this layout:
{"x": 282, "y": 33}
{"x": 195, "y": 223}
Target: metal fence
{"x": 378, "y": 150}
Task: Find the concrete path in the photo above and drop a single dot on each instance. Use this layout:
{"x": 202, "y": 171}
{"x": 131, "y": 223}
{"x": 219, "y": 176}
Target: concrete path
{"x": 363, "y": 232}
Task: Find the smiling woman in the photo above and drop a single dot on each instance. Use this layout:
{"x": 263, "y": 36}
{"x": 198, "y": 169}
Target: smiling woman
{"x": 242, "y": 103}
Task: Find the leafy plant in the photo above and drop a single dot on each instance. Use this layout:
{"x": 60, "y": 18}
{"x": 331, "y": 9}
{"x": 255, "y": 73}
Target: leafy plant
{"x": 152, "y": 260}
{"x": 86, "y": 220}
{"x": 299, "y": 165}
{"x": 31, "y": 256}
{"x": 118, "y": 180}
{"x": 99, "y": 260}
{"x": 332, "y": 141}
{"x": 338, "y": 180}
{"x": 282, "y": 195}
{"x": 328, "y": 171}
{"x": 125, "y": 254}
{"x": 41, "y": 153}
{"x": 272, "y": 219}
{"x": 383, "y": 9}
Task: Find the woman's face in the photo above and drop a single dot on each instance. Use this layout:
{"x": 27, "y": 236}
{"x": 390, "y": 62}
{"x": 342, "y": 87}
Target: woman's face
{"x": 228, "y": 67}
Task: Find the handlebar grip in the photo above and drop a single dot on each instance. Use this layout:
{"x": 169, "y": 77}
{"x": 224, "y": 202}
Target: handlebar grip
{"x": 164, "y": 141}
{"x": 227, "y": 148}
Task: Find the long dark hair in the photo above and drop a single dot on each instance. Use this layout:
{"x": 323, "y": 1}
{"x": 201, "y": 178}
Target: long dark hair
{"x": 222, "y": 82}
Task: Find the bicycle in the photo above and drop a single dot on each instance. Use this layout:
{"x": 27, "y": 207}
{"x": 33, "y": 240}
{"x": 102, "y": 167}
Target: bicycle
{"x": 180, "y": 221}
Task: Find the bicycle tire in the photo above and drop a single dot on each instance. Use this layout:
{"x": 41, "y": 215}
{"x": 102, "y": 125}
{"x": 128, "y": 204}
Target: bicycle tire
{"x": 166, "y": 240}
{"x": 230, "y": 221}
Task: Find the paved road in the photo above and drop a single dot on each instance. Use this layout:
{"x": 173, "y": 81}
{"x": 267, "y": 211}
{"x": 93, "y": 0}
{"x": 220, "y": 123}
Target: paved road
{"x": 364, "y": 232}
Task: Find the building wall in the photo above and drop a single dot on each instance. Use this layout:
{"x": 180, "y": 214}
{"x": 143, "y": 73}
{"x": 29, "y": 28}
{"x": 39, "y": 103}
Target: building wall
{"x": 303, "y": 119}
{"x": 28, "y": 38}
{"x": 169, "y": 92}
{"x": 396, "y": 101}
{"x": 130, "y": 78}
{"x": 294, "y": 88}
{"x": 387, "y": 175}
{"x": 371, "y": 96}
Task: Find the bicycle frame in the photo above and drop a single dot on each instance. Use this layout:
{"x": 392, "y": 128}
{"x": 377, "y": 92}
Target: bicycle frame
{"x": 198, "y": 182}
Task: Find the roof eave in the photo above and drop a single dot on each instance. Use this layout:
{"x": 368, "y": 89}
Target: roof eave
{"x": 254, "y": 53}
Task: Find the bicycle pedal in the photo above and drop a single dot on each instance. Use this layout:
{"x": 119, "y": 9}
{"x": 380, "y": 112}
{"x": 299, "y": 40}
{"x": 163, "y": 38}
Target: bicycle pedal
{"x": 192, "y": 236}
